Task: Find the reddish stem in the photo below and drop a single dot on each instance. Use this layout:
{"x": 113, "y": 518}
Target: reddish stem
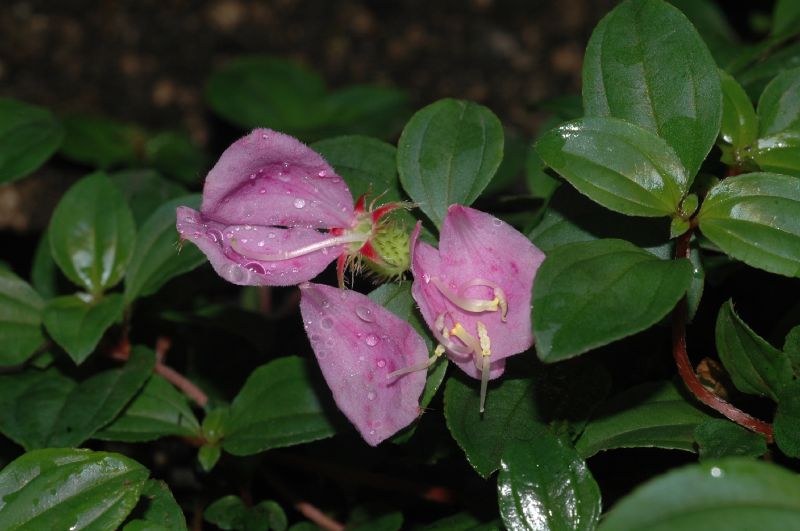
{"x": 685, "y": 369}
{"x": 305, "y": 508}
{"x": 174, "y": 377}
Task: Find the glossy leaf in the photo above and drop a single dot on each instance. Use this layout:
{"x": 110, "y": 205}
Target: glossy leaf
{"x": 145, "y": 191}
{"x": 617, "y": 164}
{"x": 367, "y": 165}
{"x": 652, "y": 415}
{"x": 159, "y": 410}
{"x": 100, "y": 142}
{"x": 20, "y": 319}
{"x": 448, "y": 152}
{"x": 77, "y": 326}
{"x": 511, "y": 415}
{"x": 29, "y": 135}
{"x": 156, "y": 258}
{"x": 755, "y": 366}
{"x": 92, "y": 233}
{"x": 159, "y": 510}
{"x": 739, "y": 121}
{"x": 590, "y": 294}
{"x": 228, "y": 512}
{"x": 645, "y": 63}
{"x": 755, "y": 218}
{"x": 718, "y": 438}
{"x": 787, "y": 420}
{"x": 779, "y": 153}
{"x": 543, "y": 484}
{"x": 69, "y": 489}
{"x": 277, "y": 407}
{"x": 733, "y": 493}
{"x": 779, "y": 104}
{"x": 44, "y": 271}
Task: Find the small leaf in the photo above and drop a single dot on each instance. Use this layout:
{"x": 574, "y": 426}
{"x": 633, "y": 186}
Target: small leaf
{"x": 543, "y": 484}
{"x": 276, "y": 407}
{"x": 645, "y": 63}
{"x": 69, "y": 489}
{"x": 648, "y": 415}
{"x": 228, "y": 512}
{"x": 29, "y": 135}
{"x": 755, "y": 218}
{"x": 92, "y": 233}
{"x": 268, "y": 515}
{"x": 159, "y": 410}
{"x": 208, "y": 455}
{"x": 156, "y": 259}
{"x": 733, "y": 493}
{"x": 739, "y": 120}
{"x": 100, "y": 142}
{"x": 787, "y": 420}
{"x": 779, "y": 104}
{"x": 20, "y": 319}
{"x": 77, "y": 326}
{"x": 755, "y": 366}
{"x": 448, "y": 152}
{"x": 718, "y": 438}
{"x": 617, "y": 164}
{"x": 157, "y": 510}
{"x": 511, "y": 415}
{"x": 587, "y": 295}
{"x": 779, "y": 153}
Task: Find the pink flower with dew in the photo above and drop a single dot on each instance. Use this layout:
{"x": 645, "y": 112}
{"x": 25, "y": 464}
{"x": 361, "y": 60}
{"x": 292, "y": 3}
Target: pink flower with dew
{"x": 275, "y": 213}
{"x": 474, "y": 292}
{"x": 358, "y": 344}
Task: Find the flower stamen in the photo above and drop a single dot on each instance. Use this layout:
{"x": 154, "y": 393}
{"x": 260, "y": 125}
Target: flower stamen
{"x": 308, "y": 249}
{"x": 423, "y": 366}
{"x": 499, "y": 302}
{"x": 486, "y": 351}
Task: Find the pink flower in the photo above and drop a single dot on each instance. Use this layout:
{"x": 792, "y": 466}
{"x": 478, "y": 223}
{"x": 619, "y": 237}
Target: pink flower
{"x": 474, "y": 292}
{"x": 358, "y": 344}
{"x": 275, "y": 213}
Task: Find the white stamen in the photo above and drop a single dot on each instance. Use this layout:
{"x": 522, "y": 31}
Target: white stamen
{"x": 423, "y": 366}
{"x": 499, "y": 294}
{"x": 486, "y": 352}
{"x": 308, "y": 249}
{"x": 471, "y": 304}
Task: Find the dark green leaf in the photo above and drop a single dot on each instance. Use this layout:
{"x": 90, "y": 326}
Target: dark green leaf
{"x": 208, "y": 455}
{"x": 590, "y": 294}
{"x": 755, "y": 218}
{"x": 228, "y": 512}
{"x": 755, "y": 366}
{"x": 739, "y": 121}
{"x": 100, "y": 142}
{"x": 779, "y": 104}
{"x": 145, "y": 191}
{"x": 44, "y": 271}
{"x": 787, "y": 420}
{"x": 276, "y": 407}
{"x": 649, "y": 415}
{"x": 92, "y": 233}
{"x": 457, "y": 522}
{"x": 645, "y": 63}
{"x": 365, "y": 110}
{"x": 29, "y": 135}
{"x": 786, "y": 17}
{"x": 175, "y": 155}
{"x": 156, "y": 258}
{"x": 617, "y": 164}
{"x": 779, "y": 153}
{"x": 543, "y": 484}
{"x": 386, "y": 522}
{"x": 724, "y": 495}
{"x": 267, "y": 515}
{"x": 159, "y": 410}
{"x": 20, "y": 319}
{"x": 791, "y": 347}
{"x": 710, "y": 21}
{"x": 718, "y": 438}
{"x": 767, "y": 66}
{"x": 448, "y": 153}
{"x": 77, "y": 326}
{"x": 515, "y": 154}
{"x": 69, "y": 489}
{"x": 160, "y": 511}
{"x": 511, "y": 415}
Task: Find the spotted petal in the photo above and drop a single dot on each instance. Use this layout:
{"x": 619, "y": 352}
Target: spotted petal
{"x": 357, "y": 344}
{"x": 242, "y": 265}
{"x": 268, "y": 178}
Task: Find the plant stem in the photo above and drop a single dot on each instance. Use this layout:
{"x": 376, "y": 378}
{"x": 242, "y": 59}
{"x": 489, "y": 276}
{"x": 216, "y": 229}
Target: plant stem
{"x": 685, "y": 369}
{"x": 174, "y": 377}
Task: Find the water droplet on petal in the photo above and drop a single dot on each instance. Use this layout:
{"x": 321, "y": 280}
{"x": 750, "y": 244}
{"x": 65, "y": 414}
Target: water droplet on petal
{"x": 315, "y": 338}
{"x": 215, "y": 236}
{"x": 322, "y": 354}
{"x": 371, "y": 396}
{"x": 497, "y": 222}
{"x": 371, "y": 340}
{"x": 235, "y": 273}
{"x": 381, "y": 363}
{"x": 326, "y": 323}
{"x": 326, "y": 303}
{"x": 299, "y": 203}
{"x": 336, "y": 180}
{"x": 255, "y": 267}
{"x": 364, "y": 313}
{"x": 271, "y": 235}
{"x": 262, "y": 191}
{"x": 322, "y": 173}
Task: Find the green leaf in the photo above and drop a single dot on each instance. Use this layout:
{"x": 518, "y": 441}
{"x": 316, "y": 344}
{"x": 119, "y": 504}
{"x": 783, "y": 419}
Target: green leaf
{"x": 387, "y": 522}
{"x": 649, "y": 415}
{"x": 40, "y": 409}
{"x": 589, "y": 294}
{"x": 69, "y": 489}
{"x": 710, "y": 21}
{"x": 208, "y": 455}
{"x": 764, "y": 69}
{"x": 228, "y": 512}
{"x": 458, "y": 522}
{"x": 718, "y": 438}
{"x": 755, "y": 366}
{"x": 755, "y": 218}
{"x": 779, "y": 104}
{"x": 448, "y": 152}
{"x": 543, "y": 484}
{"x": 157, "y": 510}
{"x": 739, "y": 120}
{"x": 101, "y": 142}
{"x": 791, "y": 346}
{"x": 266, "y": 92}
{"x": 156, "y": 259}
{"x": 159, "y": 410}
{"x": 617, "y": 164}
{"x": 77, "y": 326}
{"x": 44, "y": 271}
{"x": 20, "y": 319}
{"x": 787, "y": 420}
{"x": 779, "y": 153}
{"x": 92, "y": 233}
{"x": 364, "y": 110}
{"x": 277, "y": 407}
{"x": 786, "y": 18}
{"x": 29, "y": 135}
{"x": 176, "y": 156}
{"x": 733, "y": 493}
{"x": 515, "y": 157}
{"x": 145, "y": 191}
{"x": 268, "y": 514}
{"x": 511, "y": 415}
{"x": 645, "y": 63}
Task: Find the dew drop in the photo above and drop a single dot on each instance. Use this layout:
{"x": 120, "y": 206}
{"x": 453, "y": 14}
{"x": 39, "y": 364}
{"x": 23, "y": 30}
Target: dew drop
{"x": 322, "y": 173}
{"x": 215, "y": 236}
{"x": 271, "y": 235}
{"x": 255, "y": 267}
{"x": 264, "y": 136}
{"x": 252, "y": 176}
{"x": 261, "y": 243}
{"x": 497, "y": 222}
{"x": 326, "y": 303}
{"x": 371, "y": 340}
{"x": 381, "y": 363}
{"x": 295, "y": 270}
{"x": 315, "y": 338}
{"x": 371, "y": 396}
{"x": 299, "y": 203}
{"x": 262, "y": 191}
{"x": 235, "y": 273}
{"x": 364, "y": 313}
{"x": 322, "y": 354}
{"x": 329, "y": 342}
{"x": 336, "y": 180}
{"x": 284, "y": 178}
{"x": 326, "y": 323}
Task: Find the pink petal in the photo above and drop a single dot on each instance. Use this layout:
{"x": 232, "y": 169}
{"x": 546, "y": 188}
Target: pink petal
{"x": 240, "y": 266}
{"x": 268, "y": 178}
{"x": 357, "y": 343}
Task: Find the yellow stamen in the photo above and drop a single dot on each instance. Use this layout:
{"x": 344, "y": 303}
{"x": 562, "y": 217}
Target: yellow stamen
{"x": 486, "y": 352}
{"x": 468, "y": 339}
